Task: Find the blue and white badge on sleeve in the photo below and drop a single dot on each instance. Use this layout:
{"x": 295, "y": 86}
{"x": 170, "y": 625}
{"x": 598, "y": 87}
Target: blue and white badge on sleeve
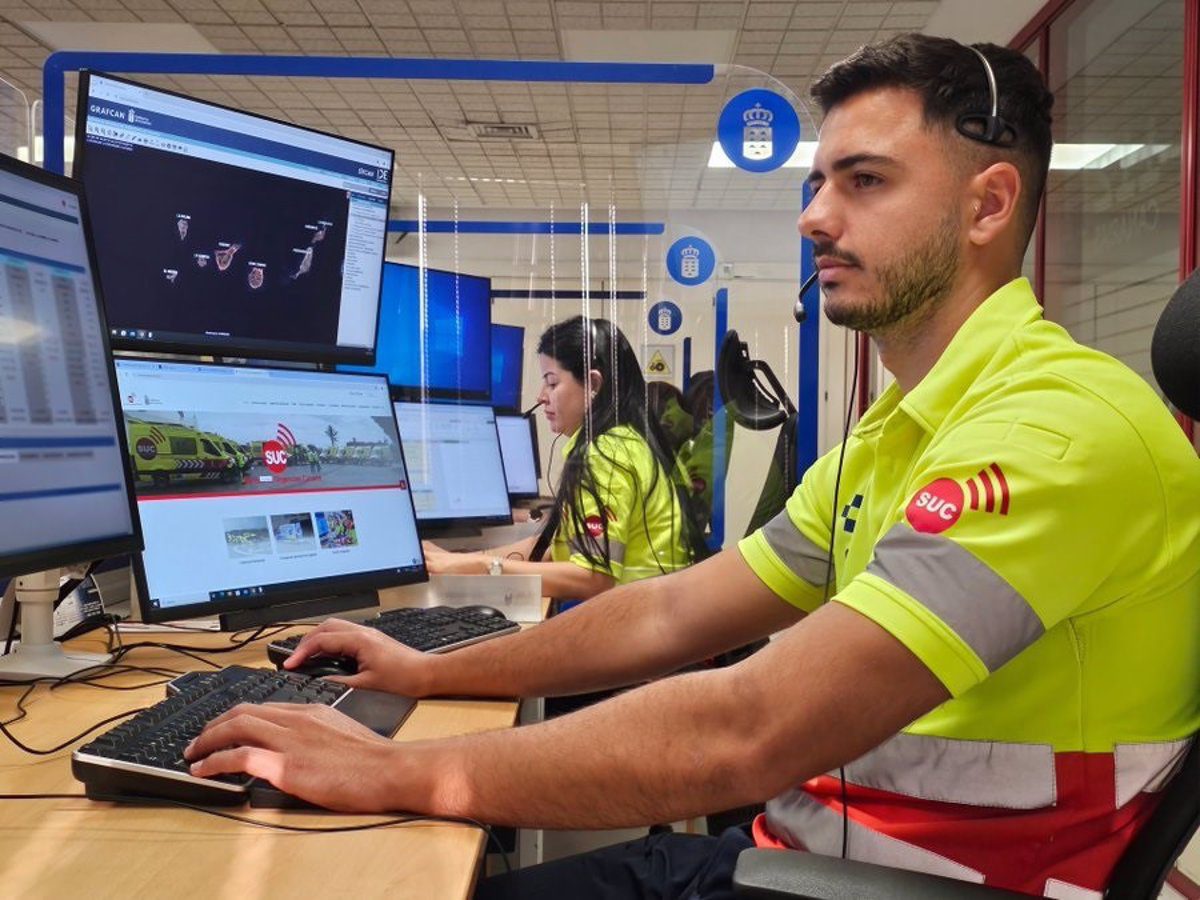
{"x": 758, "y": 130}
{"x": 665, "y": 317}
{"x": 690, "y": 261}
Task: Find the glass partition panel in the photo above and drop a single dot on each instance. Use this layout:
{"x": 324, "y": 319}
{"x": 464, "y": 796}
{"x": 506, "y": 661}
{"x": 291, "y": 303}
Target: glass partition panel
{"x": 663, "y": 209}
{"x": 1112, "y": 204}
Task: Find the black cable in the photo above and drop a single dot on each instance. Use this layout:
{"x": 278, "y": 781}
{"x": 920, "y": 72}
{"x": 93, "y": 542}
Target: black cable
{"x": 837, "y": 484}
{"x": 35, "y": 751}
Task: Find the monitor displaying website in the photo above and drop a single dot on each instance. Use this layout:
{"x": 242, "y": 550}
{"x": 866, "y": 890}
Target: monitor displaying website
{"x": 520, "y": 455}
{"x": 62, "y": 480}
{"x": 454, "y": 461}
{"x": 222, "y": 232}
{"x": 257, "y": 485}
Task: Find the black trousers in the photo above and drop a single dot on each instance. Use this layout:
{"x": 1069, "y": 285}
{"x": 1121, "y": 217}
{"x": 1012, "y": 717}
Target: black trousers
{"x": 660, "y": 867}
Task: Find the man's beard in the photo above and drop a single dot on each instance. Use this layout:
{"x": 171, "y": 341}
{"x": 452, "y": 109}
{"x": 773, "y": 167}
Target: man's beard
{"x": 917, "y": 282}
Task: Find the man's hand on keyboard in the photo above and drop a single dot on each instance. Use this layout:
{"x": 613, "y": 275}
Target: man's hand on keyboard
{"x": 383, "y": 664}
{"x": 310, "y": 751}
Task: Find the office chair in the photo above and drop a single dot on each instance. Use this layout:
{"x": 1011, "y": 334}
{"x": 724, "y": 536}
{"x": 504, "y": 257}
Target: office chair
{"x": 1142, "y": 869}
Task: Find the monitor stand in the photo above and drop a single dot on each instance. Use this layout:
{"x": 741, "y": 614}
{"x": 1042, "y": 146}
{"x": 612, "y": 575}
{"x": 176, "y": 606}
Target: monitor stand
{"x": 297, "y": 609}
{"x": 39, "y": 655}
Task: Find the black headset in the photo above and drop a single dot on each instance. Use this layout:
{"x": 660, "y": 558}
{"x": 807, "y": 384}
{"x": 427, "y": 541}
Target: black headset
{"x": 987, "y": 128}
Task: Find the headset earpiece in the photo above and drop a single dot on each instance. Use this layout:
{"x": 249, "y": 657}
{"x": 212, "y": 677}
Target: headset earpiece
{"x": 987, "y": 128}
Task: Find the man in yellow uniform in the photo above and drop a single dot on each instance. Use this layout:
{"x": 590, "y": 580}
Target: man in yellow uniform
{"x": 990, "y": 620}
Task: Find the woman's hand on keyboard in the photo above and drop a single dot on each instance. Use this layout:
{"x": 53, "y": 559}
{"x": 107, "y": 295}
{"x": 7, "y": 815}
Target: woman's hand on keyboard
{"x": 383, "y": 663}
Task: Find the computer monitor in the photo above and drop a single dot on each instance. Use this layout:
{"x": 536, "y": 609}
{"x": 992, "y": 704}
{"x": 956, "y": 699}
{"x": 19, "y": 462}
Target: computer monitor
{"x": 518, "y": 446}
{"x": 452, "y": 361}
{"x": 263, "y": 488}
{"x": 221, "y": 232}
{"x": 508, "y": 352}
{"x": 454, "y": 462}
{"x": 64, "y": 492}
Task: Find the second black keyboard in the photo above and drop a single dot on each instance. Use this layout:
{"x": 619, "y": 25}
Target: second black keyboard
{"x": 432, "y": 630}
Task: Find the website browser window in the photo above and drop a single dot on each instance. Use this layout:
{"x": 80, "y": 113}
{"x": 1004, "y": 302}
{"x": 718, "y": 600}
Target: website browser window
{"x": 218, "y": 228}
{"x": 252, "y": 481}
{"x": 453, "y": 455}
{"x": 61, "y": 479}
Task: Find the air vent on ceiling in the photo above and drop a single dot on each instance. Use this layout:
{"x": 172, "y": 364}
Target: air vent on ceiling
{"x": 485, "y": 131}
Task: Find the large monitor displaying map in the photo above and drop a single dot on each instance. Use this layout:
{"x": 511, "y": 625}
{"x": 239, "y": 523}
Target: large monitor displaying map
{"x": 227, "y": 233}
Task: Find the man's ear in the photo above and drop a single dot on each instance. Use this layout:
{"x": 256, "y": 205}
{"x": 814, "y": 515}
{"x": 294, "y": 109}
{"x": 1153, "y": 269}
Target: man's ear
{"x": 994, "y": 197}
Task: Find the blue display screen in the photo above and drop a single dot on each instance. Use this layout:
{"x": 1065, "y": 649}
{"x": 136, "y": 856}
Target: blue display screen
{"x": 508, "y": 350}
{"x": 457, "y": 337}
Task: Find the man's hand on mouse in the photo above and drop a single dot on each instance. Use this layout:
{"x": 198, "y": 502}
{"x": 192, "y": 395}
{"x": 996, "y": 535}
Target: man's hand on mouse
{"x": 311, "y": 751}
{"x": 383, "y": 663}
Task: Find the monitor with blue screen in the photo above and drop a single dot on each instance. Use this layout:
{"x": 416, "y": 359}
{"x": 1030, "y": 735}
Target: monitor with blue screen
{"x": 452, "y": 362}
{"x": 508, "y": 350}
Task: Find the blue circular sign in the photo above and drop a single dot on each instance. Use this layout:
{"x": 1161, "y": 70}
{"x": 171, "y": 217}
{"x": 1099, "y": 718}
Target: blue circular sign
{"x": 665, "y": 317}
{"x": 758, "y": 130}
{"x": 691, "y": 261}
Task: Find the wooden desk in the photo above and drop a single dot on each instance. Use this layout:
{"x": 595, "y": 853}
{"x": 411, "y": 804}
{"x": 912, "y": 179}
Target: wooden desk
{"x": 82, "y": 848}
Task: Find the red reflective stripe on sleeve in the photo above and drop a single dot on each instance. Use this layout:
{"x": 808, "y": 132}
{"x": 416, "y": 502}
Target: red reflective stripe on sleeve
{"x": 988, "y": 490}
{"x": 1003, "y": 489}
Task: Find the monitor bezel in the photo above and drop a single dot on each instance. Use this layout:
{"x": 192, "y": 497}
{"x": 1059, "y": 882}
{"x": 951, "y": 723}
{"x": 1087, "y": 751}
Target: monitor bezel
{"x": 43, "y": 559}
{"x": 432, "y": 526}
{"x": 520, "y": 367}
{"x": 234, "y": 347}
{"x": 417, "y": 393}
{"x": 307, "y": 590}
{"x": 537, "y": 456}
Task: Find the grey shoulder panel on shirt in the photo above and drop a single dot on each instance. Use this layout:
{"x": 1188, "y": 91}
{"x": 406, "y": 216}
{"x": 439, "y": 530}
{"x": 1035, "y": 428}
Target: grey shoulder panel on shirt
{"x": 805, "y": 558}
{"x": 957, "y": 587}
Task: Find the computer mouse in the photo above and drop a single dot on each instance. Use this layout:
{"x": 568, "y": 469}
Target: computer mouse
{"x": 320, "y": 666}
{"x": 486, "y": 612}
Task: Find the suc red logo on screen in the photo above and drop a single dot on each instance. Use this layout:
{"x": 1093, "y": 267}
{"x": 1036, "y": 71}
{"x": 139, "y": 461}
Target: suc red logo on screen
{"x": 145, "y": 448}
{"x": 274, "y": 456}
{"x": 936, "y": 506}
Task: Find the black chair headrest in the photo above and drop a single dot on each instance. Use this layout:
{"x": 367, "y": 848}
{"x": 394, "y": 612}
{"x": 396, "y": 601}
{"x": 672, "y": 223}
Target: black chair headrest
{"x": 1175, "y": 350}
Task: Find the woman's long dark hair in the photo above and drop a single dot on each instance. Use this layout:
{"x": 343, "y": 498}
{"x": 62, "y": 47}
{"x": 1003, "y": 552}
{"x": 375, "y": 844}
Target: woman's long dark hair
{"x": 579, "y": 345}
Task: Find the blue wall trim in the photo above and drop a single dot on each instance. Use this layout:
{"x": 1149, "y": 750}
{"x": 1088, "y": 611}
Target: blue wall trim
{"x": 479, "y": 226}
{"x": 518, "y": 294}
{"x": 58, "y": 64}
{"x": 808, "y": 398}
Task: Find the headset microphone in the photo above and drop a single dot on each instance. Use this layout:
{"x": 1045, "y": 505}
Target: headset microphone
{"x": 529, "y": 412}
{"x": 798, "y": 310}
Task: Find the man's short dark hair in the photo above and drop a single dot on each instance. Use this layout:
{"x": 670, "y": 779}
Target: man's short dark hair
{"x": 951, "y": 82}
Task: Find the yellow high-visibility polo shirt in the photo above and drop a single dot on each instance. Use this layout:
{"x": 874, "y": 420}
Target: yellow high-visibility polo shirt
{"x": 644, "y": 525}
{"x": 1026, "y": 521}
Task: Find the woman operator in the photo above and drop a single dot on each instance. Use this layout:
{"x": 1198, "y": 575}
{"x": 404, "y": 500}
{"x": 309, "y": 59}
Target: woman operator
{"x": 619, "y": 512}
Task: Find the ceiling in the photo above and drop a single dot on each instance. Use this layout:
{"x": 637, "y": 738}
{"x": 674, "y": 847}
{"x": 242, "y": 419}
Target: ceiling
{"x": 638, "y": 147}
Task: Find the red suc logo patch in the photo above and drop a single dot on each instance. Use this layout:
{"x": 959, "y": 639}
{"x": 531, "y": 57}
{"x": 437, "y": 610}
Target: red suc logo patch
{"x": 936, "y": 506}
{"x": 595, "y": 526}
{"x": 274, "y": 456}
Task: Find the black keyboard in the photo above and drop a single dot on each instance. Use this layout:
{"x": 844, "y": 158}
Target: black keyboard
{"x": 434, "y": 630}
{"x": 143, "y": 756}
